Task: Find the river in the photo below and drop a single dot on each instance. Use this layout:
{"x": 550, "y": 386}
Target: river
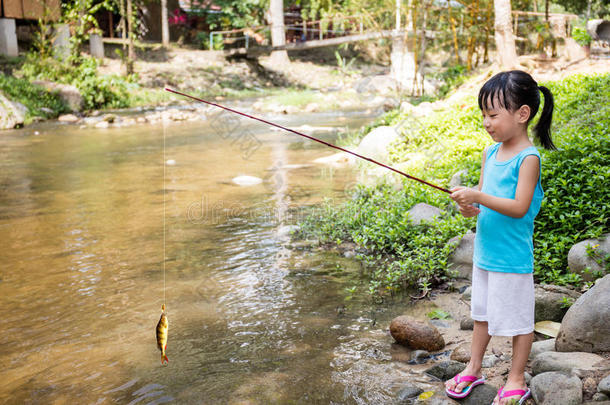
{"x": 84, "y": 225}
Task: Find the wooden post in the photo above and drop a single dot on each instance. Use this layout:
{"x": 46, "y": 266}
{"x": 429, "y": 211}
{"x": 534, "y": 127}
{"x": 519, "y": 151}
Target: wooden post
{"x": 320, "y": 26}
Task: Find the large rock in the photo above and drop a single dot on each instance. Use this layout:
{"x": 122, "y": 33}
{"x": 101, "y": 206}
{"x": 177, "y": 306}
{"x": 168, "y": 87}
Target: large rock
{"x": 461, "y": 353}
{"x": 586, "y": 325}
{"x": 416, "y": 334}
{"x": 445, "y": 369}
{"x": 68, "y": 93}
{"x": 554, "y": 388}
{"x": 542, "y": 346}
{"x": 579, "y": 260}
{"x": 12, "y": 113}
{"x": 549, "y": 302}
{"x": 423, "y": 212}
{"x": 376, "y": 143}
{"x": 481, "y": 394}
{"x": 567, "y": 362}
{"x": 461, "y": 258}
{"x": 604, "y": 385}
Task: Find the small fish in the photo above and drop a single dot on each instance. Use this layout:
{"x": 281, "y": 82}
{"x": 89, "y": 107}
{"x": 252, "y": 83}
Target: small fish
{"x": 162, "y": 328}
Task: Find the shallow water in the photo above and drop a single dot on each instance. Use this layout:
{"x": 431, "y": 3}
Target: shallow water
{"x": 251, "y": 319}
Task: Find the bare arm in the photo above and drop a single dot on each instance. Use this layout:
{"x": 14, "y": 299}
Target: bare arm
{"x": 517, "y": 207}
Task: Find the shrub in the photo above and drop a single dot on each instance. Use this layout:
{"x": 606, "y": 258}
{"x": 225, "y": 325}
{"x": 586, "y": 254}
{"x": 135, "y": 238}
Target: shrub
{"x": 35, "y": 98}
{"x": 98, "y": 91}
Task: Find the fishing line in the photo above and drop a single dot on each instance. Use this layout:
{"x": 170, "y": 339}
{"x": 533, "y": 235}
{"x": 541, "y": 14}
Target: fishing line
{"x": 164, "y": 164}
{"x": 310, "y": 137}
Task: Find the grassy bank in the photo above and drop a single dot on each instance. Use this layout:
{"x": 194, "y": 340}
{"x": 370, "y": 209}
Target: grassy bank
{"x": 575, "y": 178}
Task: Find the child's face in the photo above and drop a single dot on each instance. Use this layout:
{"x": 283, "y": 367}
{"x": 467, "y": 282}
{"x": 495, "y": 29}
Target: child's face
{"x": 500, "y": 123}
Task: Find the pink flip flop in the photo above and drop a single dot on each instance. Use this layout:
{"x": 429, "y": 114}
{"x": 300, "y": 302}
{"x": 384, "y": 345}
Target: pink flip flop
{"x": 465, "y": 378}
{"x": 524, "y": 394}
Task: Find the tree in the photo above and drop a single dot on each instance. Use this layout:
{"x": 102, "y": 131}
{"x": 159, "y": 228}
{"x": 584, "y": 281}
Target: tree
{"x": 164, "y": 24}
{"x": 278, "y": 35}
{"x": 505, "y": 40}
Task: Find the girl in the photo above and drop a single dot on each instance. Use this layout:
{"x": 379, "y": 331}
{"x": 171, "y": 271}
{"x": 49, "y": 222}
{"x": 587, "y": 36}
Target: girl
{"x": 509, "y": 194}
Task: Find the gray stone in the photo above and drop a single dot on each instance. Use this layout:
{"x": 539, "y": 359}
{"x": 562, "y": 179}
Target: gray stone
{"x": 423, "y": 212}
{"x": 600, "y": 397}
{"x": 604, "y": 385}
{"x": 542, "y": 346}
{"x": 419, "y": 355}
{"x": 70, "y": 118}
{"x": 490, "y": 361}
{"x": 69, "y": 94}
{"x": 8, "y": 38}
{"x": 566, "y": 361}
{"x": 549, "y": 302}
{"x": 481, "y": 394}
{"x": 467, "y": 293}
{"x": 439, "y": 324}
{"x": 461, "y": 258}
{"x": 461, "y": 353}
{"x": 445, "y": 369}
{"x": 579, "y": 260}
{"x": 467, "y": 324}
{"x": 528, "y": 377}
{"x": 376, "y": 143}
{"x": 586, "y": 325}
{"x": 12, "y": 113}
{"x": 416, "y": 334}
{"x": 456, "y": 179}
{"x": 554, "y": 388}
{"x": 408, "y": 391}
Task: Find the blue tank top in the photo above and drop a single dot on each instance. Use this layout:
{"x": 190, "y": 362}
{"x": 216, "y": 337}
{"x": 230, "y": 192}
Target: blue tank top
{"x": 504, "y": 243}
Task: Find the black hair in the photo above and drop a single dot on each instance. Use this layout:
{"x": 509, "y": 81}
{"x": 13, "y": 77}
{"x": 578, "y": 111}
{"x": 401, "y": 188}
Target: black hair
{"x": 514, "y": 89}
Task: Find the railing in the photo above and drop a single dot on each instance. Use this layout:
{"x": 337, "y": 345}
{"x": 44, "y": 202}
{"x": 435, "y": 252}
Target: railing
{"x": 305, "y": 28}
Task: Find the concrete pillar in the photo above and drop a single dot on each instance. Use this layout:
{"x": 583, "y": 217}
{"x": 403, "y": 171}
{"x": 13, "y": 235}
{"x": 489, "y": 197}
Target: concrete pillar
{"x": 96, "y": 46}
{"x": 61, "y": 43}
{"x": 8, "y": 37}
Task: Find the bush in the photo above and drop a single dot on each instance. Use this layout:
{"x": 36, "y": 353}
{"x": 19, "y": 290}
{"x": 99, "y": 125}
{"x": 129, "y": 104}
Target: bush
{"x": 575, "y": 180}
{"x": 107, "y": 91}
{"x": 35, "y": 98}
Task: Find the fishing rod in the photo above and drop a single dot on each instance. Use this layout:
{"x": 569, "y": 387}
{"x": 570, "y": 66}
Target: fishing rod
{"x": 310, "y": 137}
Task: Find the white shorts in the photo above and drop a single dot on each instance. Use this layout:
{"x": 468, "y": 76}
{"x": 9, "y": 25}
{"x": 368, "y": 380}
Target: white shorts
{"x": 504, "y": 300}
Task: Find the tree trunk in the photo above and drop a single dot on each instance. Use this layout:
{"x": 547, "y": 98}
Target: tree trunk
{"x": 164, "y": 24}
{"x": 278, "y": 36}
{"x": 131, "y": 55}
{"x": 505, "y": 41}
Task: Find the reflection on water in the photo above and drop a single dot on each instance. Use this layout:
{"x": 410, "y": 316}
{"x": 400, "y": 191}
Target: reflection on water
{"x": 251, "y": 320}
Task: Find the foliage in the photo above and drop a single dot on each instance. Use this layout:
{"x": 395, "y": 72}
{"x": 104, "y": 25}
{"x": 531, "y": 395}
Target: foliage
{"x": 237, "y": 14}
{"x": 438, "y": 314}
{"x": 598, "y": 8}
{"x": 452, "y": 77}
{"x": 37, "y": 99}
{"x": 400, "y": 255}
{"x": 98, "y": 91}
{"x": 80, "y": 16}
{"x": 581, "y": 36}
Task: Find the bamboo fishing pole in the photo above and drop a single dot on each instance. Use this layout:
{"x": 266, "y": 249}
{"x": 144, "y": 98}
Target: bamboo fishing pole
{"x": 310, "y": 137}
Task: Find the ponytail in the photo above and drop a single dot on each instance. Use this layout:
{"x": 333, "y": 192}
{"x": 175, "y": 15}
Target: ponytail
{"x": 542, "y": 130}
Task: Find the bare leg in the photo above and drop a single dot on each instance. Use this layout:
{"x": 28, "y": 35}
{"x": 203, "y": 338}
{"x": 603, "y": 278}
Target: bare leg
{"x": 480, "y": 340}
{"x": 522, "y": 344}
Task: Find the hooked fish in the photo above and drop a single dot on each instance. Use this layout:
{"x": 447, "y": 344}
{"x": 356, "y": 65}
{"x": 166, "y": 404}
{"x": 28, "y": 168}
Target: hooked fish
{"x": 162, "y": 328}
